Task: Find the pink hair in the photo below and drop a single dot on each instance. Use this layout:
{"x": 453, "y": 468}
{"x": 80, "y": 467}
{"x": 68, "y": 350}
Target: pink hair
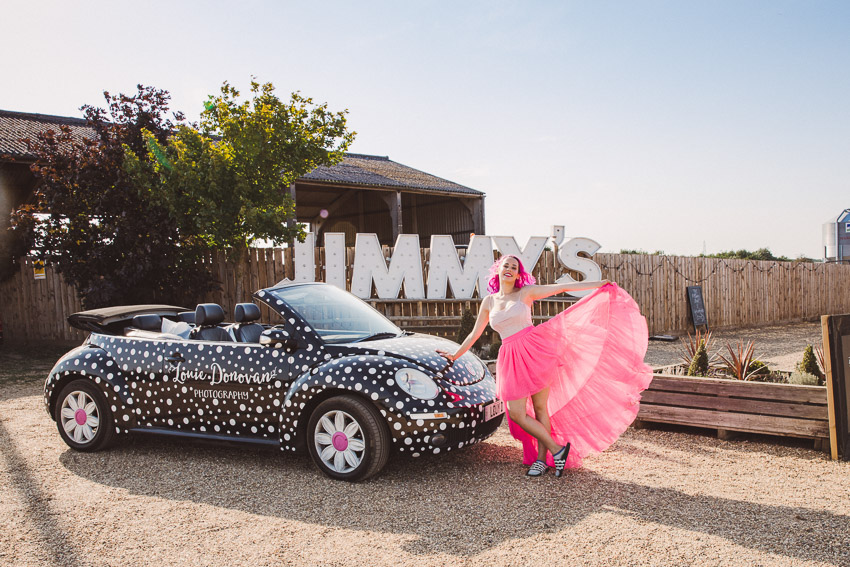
{"x": 522, "y": 278}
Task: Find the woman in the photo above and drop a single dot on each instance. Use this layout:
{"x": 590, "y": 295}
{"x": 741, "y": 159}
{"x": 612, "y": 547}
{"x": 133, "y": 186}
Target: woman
{"x": 572, "y": 384}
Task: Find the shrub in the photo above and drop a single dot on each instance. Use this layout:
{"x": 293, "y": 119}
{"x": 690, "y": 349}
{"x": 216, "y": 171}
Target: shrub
{"x": 467, "y": 322}
{"x": 803, "y": 378}
{"x": 758, "y": 367}
{"x": 738, "y": 362}
{"x": 809, "y": 364}
{"x": 688, "y": 347}
{"x": 491, "y": 351}
{"x": 699, "y": 364}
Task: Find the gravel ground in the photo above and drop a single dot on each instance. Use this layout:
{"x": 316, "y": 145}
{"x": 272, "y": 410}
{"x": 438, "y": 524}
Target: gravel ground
{"x": 780, "y": 347}
{"x": 656, "y": 497}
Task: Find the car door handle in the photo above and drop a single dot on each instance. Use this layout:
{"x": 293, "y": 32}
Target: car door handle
{"x": 177, "y": 357}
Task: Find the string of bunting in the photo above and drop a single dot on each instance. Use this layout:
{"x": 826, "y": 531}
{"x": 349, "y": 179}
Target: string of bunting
{"x": 722, "y": 263}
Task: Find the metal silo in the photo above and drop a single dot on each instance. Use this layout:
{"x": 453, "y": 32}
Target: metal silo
{"x": 836, "y": 238}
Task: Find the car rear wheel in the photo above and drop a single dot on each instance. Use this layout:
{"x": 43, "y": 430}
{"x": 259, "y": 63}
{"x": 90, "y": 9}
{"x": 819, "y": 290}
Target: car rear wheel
{"x": 349, "y": 439}
{"x": 83, "y": 417}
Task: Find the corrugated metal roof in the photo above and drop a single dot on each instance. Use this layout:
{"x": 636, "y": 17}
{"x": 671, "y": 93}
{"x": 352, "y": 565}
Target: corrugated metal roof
{"x": 355, "y": 169}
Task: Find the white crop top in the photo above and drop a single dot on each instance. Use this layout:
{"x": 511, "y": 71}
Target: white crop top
{"x": 513, "y": 319}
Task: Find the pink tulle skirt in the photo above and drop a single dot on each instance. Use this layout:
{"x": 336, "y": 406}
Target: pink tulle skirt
{"x": 591, "y": 358}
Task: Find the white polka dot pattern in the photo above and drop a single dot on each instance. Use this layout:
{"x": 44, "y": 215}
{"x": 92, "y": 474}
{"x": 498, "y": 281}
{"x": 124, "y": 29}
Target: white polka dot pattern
{"x": 263, "y": 392}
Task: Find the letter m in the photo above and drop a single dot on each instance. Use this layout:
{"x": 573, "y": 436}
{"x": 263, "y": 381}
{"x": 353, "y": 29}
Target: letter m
{"x": 444, "y": 267}
{"x": 370, "y": 265}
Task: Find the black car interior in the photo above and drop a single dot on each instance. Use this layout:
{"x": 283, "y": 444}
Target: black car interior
{"x": 202, "y": 324}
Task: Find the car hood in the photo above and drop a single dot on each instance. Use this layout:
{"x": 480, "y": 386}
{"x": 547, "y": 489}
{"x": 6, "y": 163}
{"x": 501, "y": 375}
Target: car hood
{"x": 421, "y": 350}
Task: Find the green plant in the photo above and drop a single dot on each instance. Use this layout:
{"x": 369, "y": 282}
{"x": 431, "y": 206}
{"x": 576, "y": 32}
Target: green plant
{"x": 809, "y": 364}
{"x": 467, "y": 322}
{"x": 688, "y": 348}
{"x": 739, "y": 359}
{"x": 758, "y": 367}
{"x": 699, "y": 364}
{"x": 490, "y": 351}
{"x": 803, "y": 378}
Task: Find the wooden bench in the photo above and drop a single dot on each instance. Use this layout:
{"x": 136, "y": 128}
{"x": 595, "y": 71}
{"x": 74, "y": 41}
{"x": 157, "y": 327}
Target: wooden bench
{"x": 731, "y": 406}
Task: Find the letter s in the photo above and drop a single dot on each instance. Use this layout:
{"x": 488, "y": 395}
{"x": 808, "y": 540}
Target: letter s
{"x": 568, "y": 255}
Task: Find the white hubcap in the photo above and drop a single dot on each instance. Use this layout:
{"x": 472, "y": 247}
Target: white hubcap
{"x": 339, "y": 441}
{"x": 79, "y": 417}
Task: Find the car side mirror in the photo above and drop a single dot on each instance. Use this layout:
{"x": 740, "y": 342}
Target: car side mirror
{"x": 278, "y": 338}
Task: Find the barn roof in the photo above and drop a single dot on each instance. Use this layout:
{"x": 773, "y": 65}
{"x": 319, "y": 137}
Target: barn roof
{"x": 381, "y": 171}
{"x": 358, "y": 170}
{"x": 15, "y": 126}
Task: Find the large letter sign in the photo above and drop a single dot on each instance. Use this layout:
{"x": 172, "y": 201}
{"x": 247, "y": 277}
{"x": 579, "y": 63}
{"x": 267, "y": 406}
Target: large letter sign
{"x": 529, "y": 255}
{"x": 335, "y": 259}
{"x": 305, "y": 259}
{"x": 370, "y": 265}
{"x": 444, "y": 266}
{"x": 569, "y": 258}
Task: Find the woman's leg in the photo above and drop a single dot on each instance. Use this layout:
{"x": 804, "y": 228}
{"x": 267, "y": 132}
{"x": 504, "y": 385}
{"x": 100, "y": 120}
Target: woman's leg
{"x": 517, "y": 413}
{"x": 541, "y": 414}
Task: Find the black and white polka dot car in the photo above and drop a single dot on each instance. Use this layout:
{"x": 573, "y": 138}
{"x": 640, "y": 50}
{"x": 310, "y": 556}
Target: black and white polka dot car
{"x": 334, "y": 377}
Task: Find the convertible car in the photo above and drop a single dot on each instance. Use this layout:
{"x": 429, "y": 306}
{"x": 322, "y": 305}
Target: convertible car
{"x": 333, "y": 377}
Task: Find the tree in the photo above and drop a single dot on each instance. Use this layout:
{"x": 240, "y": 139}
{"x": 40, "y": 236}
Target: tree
{"x": 127, "y": 215}
{"x": 760, "y": 254}
{"x": 227, "y": 182}
{"x": 90, "y": 220}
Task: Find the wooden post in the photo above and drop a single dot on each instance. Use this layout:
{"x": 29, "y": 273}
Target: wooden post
{"x": 827, "y": 361}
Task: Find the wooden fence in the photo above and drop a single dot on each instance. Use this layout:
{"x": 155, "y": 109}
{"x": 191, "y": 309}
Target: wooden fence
{"x": 737, "y": 293}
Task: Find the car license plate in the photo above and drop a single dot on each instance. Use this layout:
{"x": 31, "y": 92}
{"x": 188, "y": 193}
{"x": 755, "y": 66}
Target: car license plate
{"x": 494, "y": 409}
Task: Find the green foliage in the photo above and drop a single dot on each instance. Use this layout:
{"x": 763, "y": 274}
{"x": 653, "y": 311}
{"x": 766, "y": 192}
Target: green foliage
{"x": 90, "y": 220}
{"x": 809, "y": 364}
{"x": 638, "y": 251}
{"x": 227, "y": 182}
{"x": 127, "y": 215}
{"x": 760, "y": 254}
{"x": 467, "y": 322}
{"x": 803, "y": 378}
{"x": 688, "y": 347}
{"x": 738, "y": 359}
{"x": 757, "y": 367}
{"x": 699, "y": 364}
{"x": 491, "y": 351}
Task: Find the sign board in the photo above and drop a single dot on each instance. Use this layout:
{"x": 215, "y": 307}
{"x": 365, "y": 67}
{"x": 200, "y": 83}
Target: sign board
{"x": 446, "y": 268}
{"x": 38, "y": 270}
{"x": 697, "y": 304}
{"x": 836, "y": 347}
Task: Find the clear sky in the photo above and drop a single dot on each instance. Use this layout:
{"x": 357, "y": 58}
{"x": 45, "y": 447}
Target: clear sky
{"x": 659, "y": 125}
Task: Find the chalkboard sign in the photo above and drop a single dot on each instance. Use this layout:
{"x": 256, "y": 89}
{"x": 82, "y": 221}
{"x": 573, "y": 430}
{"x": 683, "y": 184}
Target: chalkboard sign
{"x": 697, "y": 306}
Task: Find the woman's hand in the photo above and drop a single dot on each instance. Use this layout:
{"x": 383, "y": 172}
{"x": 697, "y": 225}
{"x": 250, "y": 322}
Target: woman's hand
{"x": 448, "y": 356}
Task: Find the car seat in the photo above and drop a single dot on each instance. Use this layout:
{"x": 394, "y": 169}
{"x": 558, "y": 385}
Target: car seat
{"x": 207, "y": 318}
{"x": 244, "y": 330}
{"x": 148, "y": 322}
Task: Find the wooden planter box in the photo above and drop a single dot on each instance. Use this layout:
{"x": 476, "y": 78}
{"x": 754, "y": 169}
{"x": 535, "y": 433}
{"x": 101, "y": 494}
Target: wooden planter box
{"x": 735, "y": 406}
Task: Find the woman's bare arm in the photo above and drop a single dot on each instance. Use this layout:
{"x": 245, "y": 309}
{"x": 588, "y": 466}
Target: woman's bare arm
{"x": 535, "y": 292}
{"x": 480, "y": 324}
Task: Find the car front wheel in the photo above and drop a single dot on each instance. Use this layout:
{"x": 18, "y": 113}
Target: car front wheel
{"x": 84, "y": 420}
{"x": 349, "y": 439}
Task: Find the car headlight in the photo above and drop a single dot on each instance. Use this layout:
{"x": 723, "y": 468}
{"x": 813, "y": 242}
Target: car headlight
{"x": 416, "y": 383}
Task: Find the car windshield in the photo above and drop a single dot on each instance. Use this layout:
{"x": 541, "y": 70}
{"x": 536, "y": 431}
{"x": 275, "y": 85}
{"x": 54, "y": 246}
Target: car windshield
{"x": 338, "y": 316}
